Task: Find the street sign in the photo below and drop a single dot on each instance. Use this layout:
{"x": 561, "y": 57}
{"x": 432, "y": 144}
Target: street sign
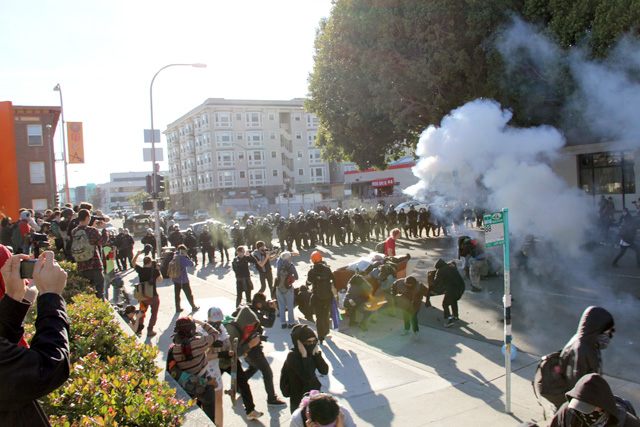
{"x": 494, "y": 229}
{"x": 156, "y": 135}
{"x": 146, "y": 155}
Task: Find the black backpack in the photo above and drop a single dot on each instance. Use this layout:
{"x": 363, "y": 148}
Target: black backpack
{"x": 321, "y": 284}
{"x": 549, "y": 380}
{"x": 380, "y": 247}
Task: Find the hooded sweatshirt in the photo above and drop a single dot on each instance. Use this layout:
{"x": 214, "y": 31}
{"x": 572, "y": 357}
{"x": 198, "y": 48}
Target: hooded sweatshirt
{"x": 594, "y": 390}
{"x": 298, "y": 374}
{"x": 581, "y": 355}
{"x": 241, "y": 328}
{"x": 448, "y": 278}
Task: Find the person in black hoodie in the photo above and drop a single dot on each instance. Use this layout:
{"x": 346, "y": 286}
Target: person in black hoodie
{"x": 449, "y": 279}
{"x": 410, "y": 299}
{"x": 322, "y": 282}
{"x": 591, "y": 403}
{"x": 30, "y": 373}
{"x": 298, "y": 375}
{"x": 627, "y": 234}
{"x": 581, "y": 355}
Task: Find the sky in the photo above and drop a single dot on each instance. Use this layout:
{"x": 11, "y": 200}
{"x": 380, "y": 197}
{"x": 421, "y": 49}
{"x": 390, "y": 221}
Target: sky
{"x": 105, "y": 54}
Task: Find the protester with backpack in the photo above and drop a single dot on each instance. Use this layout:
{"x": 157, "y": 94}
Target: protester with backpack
{"x": 148, "y": 275}
{"x": 181, "y": 280}
{"x": 85, "y": 248}
{"x": 286, "y": 274}
{"x": 451, "y": 282}
{"x": 322, "y": 282}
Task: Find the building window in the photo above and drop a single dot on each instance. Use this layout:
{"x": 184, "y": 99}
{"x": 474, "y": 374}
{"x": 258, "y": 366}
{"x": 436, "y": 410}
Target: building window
{"x": 36, "y": 173}
{"x": 301, "y": 172}
{"x": 272, "y": 116}
{"x": 242, "y": 174}
{"x": 226, "y": 158}
{"x": 312, "y": 121}
{"x": 224, "y": 139}
{"x": 299, "y": 154}
{"x": 297, "y": 117}
{"x": 275, "y": 172}
{"x": 607, "y": 173}
{"x": 254, "y": 139}
{"x": 35, "y": 135}
{"x": 311, "y": 138}
{"x": 240, "y": 155}
{"x": 205, "y": 119}
{"x": 222, "y": 119}
{"x": 274, "y": 154}
{"x": 254, "y": 120}
{"x": 315, "y": 157}
{"x": 298, "y": 135}
{"x": 256, "y": 158}
{"x": 317, "y": 174}
{"x": 238, "y": 116}
{"x": 39, "y": 204}
{"x": 272, "y": 135}
{"x": 239, "y": 136}
{"x": 226, "y": 179}
{"x": 257, "y": 177}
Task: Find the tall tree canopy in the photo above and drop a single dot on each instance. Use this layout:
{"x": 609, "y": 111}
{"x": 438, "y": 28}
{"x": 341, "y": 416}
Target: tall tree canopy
{"x": 386, "y": 69}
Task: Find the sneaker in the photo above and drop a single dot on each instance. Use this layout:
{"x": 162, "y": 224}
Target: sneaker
{"x": 416, "y": 335}
{"x": 178, "y": 310}
{"x": 404, "y": 332}
{"x": 284, "y": 326}
{"x": 476, "y": 289}
{"x": 254, "y": 415}
{"x": 151, "y": 334}
{"x": 195, "y": 308}
{"x": 291, "y": 325}
{"x": 450, "y": 322}
{"x": 276, "y": 402}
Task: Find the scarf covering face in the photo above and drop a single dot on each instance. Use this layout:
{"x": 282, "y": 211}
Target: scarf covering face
{"x": 594, "y": 419}
{"x": 603, "y": 341}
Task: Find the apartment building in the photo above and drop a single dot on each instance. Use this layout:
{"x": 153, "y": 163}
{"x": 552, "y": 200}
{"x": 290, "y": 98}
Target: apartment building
{"x": 244, "y": 153}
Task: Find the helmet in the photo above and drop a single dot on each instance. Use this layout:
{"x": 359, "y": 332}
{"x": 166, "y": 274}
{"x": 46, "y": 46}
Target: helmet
{"x": 356, "y": 211}
{"x": 236, "y": 222}
{"x": 316, "y": 257}
{"x": 215, "y": 315}
{"x": 402, "y": 210}
{"x": 149, "y": 230}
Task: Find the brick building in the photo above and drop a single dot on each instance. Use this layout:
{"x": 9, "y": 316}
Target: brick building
{"x": 34, "y": 128}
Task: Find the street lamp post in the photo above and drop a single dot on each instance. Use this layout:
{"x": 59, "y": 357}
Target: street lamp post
{"x": 52, "y": 187}
{"x": 153, "y": 154}
{"x": 67, "y": 199}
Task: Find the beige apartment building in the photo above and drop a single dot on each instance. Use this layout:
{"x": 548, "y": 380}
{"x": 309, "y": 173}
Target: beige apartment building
{"x": 242, "y": 154}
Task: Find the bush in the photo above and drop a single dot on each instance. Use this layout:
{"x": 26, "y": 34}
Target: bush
{"x": 113, "y": 380}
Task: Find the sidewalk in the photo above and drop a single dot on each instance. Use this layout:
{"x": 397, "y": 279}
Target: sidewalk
{"x": 384, "y": 379}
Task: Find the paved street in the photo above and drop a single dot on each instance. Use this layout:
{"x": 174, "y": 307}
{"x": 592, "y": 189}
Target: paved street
{"x": 448, "y": 377}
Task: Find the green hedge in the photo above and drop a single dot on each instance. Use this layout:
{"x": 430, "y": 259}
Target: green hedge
{"x": 113, "y": 380}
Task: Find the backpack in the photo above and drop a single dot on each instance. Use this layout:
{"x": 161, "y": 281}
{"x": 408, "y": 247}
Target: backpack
{"x": 164, "y": 265}
{"x": 192, "y": 384}
{"x": 549, "y": 381}
{"x": 380, "y": 247}
{"x": 174, "y": 271}
{"x": 81, "y": 249}
{"x": 321, "y": 285}
{"x": 285, "y": 278}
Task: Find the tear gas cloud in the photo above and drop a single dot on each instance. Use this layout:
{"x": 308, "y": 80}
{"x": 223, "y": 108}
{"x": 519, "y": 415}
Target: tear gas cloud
{"x": 505, "y": 166}
{"x": 477, "y": 157}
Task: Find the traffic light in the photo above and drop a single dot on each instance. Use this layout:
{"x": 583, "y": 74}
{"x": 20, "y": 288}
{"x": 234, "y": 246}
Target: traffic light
{"x": 149, "y": 184}
{"x": 159, "y": 183}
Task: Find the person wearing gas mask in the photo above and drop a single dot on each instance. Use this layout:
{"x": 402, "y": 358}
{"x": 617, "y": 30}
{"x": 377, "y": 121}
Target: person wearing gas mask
{"x": 581, "y": 355}
{"x": 591, "y": 403}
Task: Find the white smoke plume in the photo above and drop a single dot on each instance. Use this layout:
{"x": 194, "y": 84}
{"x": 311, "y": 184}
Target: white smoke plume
{"x": 508, "y": 166}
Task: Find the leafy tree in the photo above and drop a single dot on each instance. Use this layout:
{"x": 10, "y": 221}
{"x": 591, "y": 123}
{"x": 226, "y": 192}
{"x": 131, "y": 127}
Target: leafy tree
{"x": 384, "y": 70}
{"x": 136, "y": 199}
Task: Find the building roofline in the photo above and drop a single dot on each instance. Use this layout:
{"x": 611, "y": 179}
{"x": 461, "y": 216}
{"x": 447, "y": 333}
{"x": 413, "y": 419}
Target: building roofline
{"x": 212, "y": 102}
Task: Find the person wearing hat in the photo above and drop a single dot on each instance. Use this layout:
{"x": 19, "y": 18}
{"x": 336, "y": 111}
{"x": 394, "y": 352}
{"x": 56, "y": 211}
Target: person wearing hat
{"x": 322, "y": 282}
{"x": 298, "y": 375}
{"x": 189, "y": 350}
{"x": 592, "y": 403}
{"x": 149, "y": 242}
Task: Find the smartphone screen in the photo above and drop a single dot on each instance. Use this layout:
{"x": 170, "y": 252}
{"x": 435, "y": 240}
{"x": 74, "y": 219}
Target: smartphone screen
{"x": 26, "y": 268}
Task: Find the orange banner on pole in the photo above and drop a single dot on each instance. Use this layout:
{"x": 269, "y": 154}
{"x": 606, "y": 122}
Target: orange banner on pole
{"x": 76, "y": 143}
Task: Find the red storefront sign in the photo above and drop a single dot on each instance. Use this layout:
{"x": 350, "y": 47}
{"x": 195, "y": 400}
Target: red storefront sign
{"x": 385, "y": 182}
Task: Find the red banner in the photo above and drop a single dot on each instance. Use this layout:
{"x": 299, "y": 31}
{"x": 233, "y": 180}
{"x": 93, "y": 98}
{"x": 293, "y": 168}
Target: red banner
{"x": 385, "y": 182}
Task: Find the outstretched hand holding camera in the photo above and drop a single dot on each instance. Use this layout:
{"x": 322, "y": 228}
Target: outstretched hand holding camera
{"x": 48, "y": 276}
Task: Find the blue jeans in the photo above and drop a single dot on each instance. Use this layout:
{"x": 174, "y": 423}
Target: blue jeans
{"x": 285, "y": 304}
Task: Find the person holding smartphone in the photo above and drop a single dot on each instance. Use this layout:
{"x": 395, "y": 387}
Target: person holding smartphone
{"x": 29, "y": 374}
